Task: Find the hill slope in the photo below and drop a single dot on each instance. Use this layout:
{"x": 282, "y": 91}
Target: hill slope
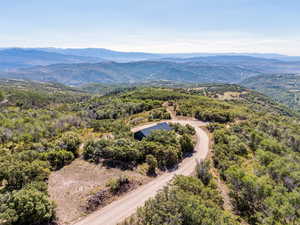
{"x": 221, "y": 69}
{"x": 284, "y": 88}
{"x": 111, "y": 72}
{"x": 255, "y": 149}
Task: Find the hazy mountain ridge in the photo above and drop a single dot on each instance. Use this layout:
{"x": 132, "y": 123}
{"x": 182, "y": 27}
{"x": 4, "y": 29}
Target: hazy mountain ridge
{"x": 18, "y": 58}
{"x": 77, "y": 67}
{"x": 133, "y": 72}
{"x": 121, "y": 56}
{"x": 125, "y": 56}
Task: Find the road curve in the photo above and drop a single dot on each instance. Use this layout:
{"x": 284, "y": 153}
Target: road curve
{"x": 127, "y": 205}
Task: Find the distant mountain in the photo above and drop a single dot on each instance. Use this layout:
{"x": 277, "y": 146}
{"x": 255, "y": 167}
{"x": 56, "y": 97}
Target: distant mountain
{"x": 284, "y": 88}
{"x": 263, "y": 65}
{"x": 61, "y": 65}
{"x": 11, "y": 58}
{"x": 133, "y": 72}
{"x": 18, "y": 58}
{"x": 137, "y": 56}
{"x": 105, "y": 54}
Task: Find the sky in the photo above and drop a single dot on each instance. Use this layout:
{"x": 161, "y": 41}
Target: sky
{"x": 162, "y": 26}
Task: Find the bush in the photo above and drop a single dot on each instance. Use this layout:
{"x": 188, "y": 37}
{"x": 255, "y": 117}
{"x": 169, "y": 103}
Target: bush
{"x": 70, "y": 141}
{"x": 31, "y": 206}
{"x": 152, "y": 163}
{"x": 180, "y": 129}
{"x": 160, "y": 114}
{"x": 116, "y": 185}
{"x": 58, "y": 159}
{"x": 1, "y": 96}
{"x": 94, "y": 150}
{"x": 19, "y": 173}
{"x": 214, "y": 115}
{"x": 186, "y": 144}
{"x": 203, "y": 171}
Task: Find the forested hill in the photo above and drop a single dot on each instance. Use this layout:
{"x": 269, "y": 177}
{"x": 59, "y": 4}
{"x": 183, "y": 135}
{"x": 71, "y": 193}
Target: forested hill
{"x": 132, "y": 72}
{"x": 57, "y": 65}
{"x": 284, "y": 88}
{"x": 256, "y": 151}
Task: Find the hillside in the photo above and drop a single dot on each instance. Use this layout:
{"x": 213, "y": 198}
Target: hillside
{"x": 83, "y": 146}
{"x": 284, "y": 88}
{"x": 13, "y": 58}
{"x": 260, "y": 64}
{"x": 217, "y": 69}
{"x": 133, "y": 72}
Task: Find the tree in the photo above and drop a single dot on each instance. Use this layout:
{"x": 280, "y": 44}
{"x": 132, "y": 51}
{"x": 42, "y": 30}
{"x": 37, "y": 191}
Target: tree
{"x": 31, "y": 207}
{"x": 186, "y": 144}
{"x": 94, "y": 150}
{"x": 1, "y": 96}
{"x": 70, "y": 141}
{"x": 152, "y": 163}
{"x": 59, "y": 158}
{"x": 18, "y": 173}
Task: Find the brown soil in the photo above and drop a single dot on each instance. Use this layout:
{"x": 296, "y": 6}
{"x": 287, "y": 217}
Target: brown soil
{"x": 106, "y": 196}
{"x": 71, "y": 187}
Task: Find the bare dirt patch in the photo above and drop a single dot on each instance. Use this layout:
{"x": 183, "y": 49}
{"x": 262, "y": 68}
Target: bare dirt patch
{"x": 229, "y": 95}
{"x": 71, "y": 187}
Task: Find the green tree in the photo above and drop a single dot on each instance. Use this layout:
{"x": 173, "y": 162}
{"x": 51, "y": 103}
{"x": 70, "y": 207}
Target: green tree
{"x": 58, "y": 158}
{"x": 186, "y": 144}
{"x": 19, "y": 173}
{"x": 152, "y": 163}
{"x": 31, "y": 207}
{"x": 70, "y": 141}
{"x": 1, "y": 96}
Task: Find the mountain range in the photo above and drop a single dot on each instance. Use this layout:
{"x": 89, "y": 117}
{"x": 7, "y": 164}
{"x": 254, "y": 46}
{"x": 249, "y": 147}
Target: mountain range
{"x": 132, "y": 72}
{"x": 13, "y": 58}
{"x": 82, "y": 66}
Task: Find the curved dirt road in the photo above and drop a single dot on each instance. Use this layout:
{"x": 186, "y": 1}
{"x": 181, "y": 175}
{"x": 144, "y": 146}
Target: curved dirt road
{"x": 119, "y": 210}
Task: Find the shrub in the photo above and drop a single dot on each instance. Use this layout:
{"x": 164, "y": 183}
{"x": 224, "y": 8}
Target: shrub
{"x": 29, "y": 206}
{"x": 186, "y": 144}
{"x": 203, "y": 171}
{"x": 116, "y": 185}
{"x": 160, "y": 114}
{"x": 152, "y": 162}
{"x": 94, "y": 150}
{"x": 70, "y": 141}
{"x": 58, "y": 159}
{"x": 1, "y": 96}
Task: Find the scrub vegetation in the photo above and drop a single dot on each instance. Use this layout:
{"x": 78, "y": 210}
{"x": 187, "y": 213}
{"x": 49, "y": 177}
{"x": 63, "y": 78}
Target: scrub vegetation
{"x": 256, "y": 151}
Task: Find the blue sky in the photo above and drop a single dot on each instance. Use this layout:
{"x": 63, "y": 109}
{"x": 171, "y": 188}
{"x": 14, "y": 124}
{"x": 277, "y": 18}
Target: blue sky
{"x": 154, "y": 25}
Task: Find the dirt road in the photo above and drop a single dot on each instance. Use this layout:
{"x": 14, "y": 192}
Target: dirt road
{"x": 127, "y": 205}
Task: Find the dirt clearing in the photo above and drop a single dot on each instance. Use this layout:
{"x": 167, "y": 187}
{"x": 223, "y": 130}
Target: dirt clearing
{"x": 71, "y": 186}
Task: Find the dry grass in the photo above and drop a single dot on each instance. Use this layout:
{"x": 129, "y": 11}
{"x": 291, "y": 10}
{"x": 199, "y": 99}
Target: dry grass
{"x": 229, "y": 95}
